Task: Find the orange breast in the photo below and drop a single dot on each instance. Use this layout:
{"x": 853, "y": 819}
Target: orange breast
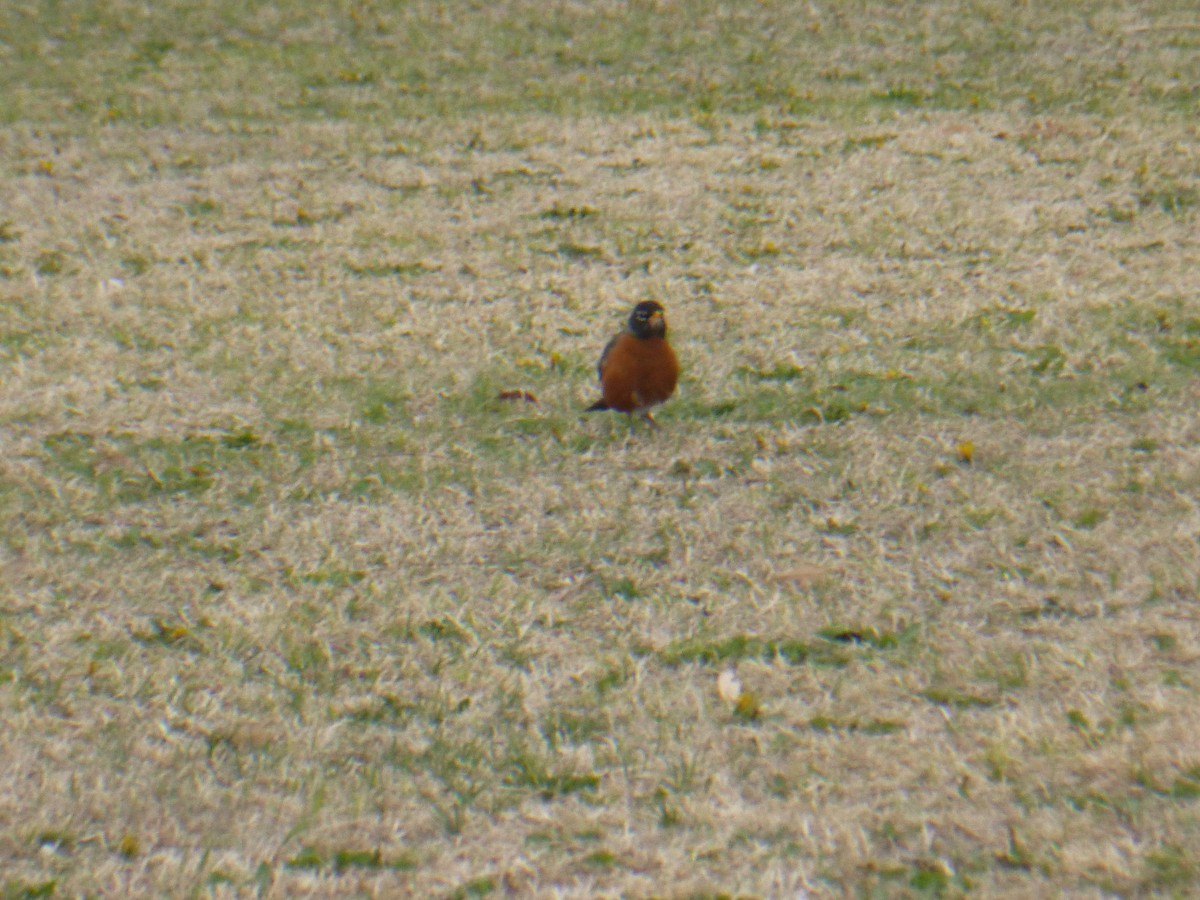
{"x": 638, "y": 373}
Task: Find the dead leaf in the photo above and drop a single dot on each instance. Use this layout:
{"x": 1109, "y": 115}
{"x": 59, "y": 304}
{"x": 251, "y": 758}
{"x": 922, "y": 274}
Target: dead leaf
{"x": 747, "y": 707}
{"x": 515, "y": 396}
{"x": 729, "y": 688}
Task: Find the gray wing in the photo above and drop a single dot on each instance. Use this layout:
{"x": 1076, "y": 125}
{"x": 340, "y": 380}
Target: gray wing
{"x": 604, "y": 356}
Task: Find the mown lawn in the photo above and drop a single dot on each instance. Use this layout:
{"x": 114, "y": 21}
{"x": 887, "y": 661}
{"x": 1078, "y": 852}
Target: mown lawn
{"x": 900, "y": 600}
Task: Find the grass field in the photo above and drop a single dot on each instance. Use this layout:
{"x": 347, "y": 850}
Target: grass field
{"x": 900, "y": 600}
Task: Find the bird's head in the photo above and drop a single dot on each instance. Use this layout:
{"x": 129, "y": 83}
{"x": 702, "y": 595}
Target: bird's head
{"x": 648, "y": 320}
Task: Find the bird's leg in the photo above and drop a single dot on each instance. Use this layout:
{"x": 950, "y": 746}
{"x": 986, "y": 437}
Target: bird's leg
{"x": 649, "y": 419}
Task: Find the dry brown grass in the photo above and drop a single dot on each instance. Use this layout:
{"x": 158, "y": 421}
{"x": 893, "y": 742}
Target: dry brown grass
{"x": 292, "y": 604}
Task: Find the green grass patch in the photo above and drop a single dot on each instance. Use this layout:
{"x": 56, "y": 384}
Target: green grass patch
{"x": 343, "y": 860}
{"x": 712, "y": 652}
{"x": 868, "y": 726}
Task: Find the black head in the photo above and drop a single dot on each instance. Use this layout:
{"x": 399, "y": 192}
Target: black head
{"x": 647, "y": 320}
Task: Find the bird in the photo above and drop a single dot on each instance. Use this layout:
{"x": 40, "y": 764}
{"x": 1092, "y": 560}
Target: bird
{"x": 638, "y": 369}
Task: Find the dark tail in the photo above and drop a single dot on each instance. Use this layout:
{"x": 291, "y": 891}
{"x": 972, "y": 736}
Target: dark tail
{"x": 598, "y": 406}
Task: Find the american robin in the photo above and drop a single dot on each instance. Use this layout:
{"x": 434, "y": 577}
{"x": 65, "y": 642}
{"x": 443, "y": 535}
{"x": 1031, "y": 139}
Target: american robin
{"x": 638, "y": 368}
